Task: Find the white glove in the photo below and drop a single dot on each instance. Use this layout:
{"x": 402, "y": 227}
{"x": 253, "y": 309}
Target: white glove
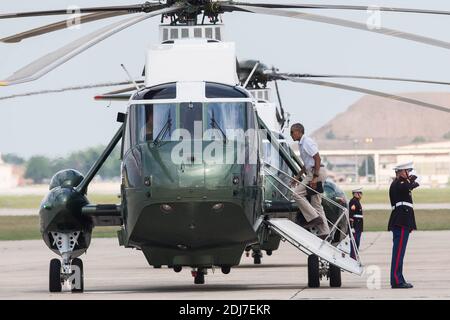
{"x": 414, "y": 173}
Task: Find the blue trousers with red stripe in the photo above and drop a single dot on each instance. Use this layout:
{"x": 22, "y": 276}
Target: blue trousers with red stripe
{"x": 400, "y": 239}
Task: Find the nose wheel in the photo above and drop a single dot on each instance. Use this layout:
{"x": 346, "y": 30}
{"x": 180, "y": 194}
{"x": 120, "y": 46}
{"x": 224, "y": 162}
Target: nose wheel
{"x": 77, "y": 283}
{"x": 55, "y": 284}
{"x": 72, "y": 272}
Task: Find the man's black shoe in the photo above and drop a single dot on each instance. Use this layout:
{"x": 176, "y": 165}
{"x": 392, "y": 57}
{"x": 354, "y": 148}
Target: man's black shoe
{"x": 404, "y": 285}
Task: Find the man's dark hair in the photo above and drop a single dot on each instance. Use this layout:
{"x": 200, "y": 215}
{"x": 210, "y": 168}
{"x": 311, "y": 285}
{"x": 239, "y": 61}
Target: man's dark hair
{"x": 298, "y": 126}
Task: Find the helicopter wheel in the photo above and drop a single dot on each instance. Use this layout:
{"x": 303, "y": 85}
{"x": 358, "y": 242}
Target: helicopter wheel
{"x": 199, "y": 277}
{"x": 313, "y": 271}
{"x": 335, "y": 276}
{"x": 55, "y": 276}
{"x": 257, "y": 255}
{"x": 78, "y": 263}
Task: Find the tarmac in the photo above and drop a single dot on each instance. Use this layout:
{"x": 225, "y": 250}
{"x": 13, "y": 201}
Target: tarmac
{"x": 367, "y": 207}
{"x": 113, "y": 272}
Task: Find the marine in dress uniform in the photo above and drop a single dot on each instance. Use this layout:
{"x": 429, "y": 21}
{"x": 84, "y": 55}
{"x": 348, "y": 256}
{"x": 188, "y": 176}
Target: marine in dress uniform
{"x": 402, "y": 220}
{"x": 356, "y": 219}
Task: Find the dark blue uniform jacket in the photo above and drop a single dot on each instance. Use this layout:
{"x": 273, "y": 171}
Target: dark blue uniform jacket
{"x": 355, "y": 208}
{"x": 403, "y": 215}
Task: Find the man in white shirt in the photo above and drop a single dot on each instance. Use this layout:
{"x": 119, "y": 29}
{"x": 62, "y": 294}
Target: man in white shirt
{"x": 315, "y": 173}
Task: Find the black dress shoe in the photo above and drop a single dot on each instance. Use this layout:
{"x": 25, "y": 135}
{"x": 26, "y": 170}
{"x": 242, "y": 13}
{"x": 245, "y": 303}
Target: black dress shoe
{"x": 404, "y": 285}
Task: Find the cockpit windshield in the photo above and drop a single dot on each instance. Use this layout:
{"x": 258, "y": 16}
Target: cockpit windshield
{"x": 208, "y": 121}
{"x": 156, "y": 121}
{"x": 224, "y": 118}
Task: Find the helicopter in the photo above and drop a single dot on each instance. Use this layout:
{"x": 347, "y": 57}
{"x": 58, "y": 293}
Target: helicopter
{"x": 205, "y": 164}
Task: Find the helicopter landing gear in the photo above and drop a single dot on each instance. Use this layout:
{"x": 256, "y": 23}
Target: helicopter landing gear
{"x": 55, "y": 284}
{"x": 226, "y": 269}
{"x": 77, "y": 284}
{"x": 70, "y": 270}
{"x": 199, "y": 275}
{"x": 177, "y": 269}
{"x": 334, "y": 273}
{"x": 313, "y": 271}
{"x": 318, "y": 269}
{"x": 257, "y": 255}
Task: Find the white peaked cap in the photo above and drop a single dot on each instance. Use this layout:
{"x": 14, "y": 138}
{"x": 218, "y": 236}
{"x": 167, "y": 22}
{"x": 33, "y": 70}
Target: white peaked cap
{"x": 360, "y": 190}
{"x": 404, "y": 166}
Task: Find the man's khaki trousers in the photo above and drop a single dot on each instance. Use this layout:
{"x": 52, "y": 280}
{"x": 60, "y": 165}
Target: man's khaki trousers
{"x": 314, "y": 209}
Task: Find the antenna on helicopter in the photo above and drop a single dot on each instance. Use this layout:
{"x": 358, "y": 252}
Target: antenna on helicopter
{"x": 130, "y": 77}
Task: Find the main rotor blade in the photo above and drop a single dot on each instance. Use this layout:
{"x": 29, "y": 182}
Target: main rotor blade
{"x": 136, "y": 8}
{"x": 47, "y": 63}
{"x": 339, "y": 7}
{"x": 370, "y": 92}
{"x": 340, "y": 22}
{"x": 76, "y": 88}
{"x": 299, "y": 75}
{"x": 61, "y": 25}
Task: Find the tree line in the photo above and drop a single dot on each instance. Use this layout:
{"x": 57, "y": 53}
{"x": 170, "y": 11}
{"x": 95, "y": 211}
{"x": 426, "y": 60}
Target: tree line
{"x": 40, "y": 168}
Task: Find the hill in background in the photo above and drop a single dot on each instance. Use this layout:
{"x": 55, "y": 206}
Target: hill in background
{"x": 388, "y": 123}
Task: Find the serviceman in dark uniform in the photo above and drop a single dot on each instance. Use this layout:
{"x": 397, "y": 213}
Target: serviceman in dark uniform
{"x": 402, "y": 220}
{"x": 356, "y": 218}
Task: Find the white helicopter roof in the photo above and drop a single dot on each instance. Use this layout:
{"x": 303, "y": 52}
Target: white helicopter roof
{"x": 191, "y": 60}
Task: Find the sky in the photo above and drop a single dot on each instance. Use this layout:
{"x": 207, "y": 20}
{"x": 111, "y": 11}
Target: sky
{"x": 57, "y": 124}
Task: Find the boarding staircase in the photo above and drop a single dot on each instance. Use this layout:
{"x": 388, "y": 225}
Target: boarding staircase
{"x": 337, "y": 254}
